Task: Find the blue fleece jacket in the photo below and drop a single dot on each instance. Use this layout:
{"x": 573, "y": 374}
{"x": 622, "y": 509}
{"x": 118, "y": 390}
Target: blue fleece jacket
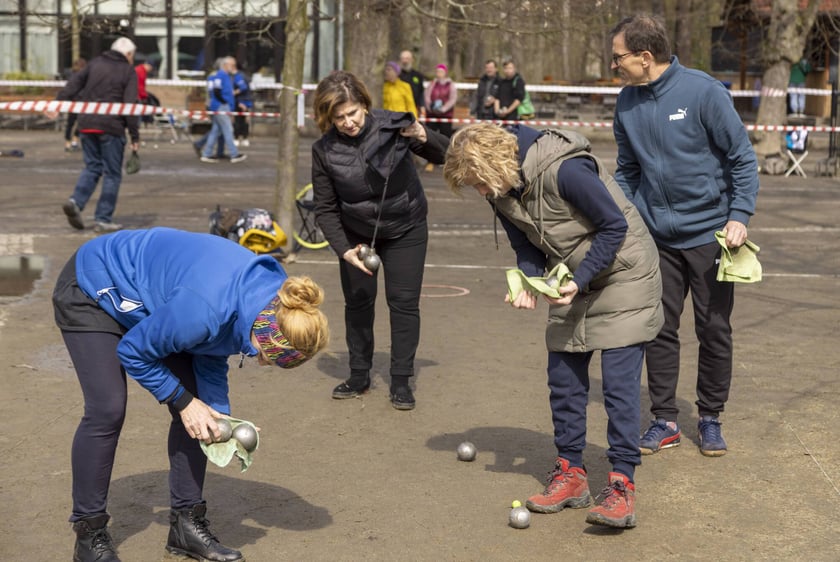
{"x": 220, "y": 91}
{"x": 179, "y": 292}
{"x": 244, "y": 96}
{"x": 684, "y": 157}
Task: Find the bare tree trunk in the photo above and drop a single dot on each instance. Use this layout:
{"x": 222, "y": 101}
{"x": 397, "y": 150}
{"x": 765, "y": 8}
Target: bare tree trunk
{"x": 297, "y": 25}
{"x": 75, "y": 50}
{"x": 684, "y": 24}
{"x": 785, "y": 43}
{"x": 364, "y": 53}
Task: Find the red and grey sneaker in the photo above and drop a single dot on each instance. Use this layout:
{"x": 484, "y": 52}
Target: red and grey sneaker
{"x": 567, "y": 487}
{"x": 617, "y": 505}
{"x": 660, "y": 435}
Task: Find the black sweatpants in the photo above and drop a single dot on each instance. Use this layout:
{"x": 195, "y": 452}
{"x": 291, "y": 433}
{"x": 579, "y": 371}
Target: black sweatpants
{"x": 403, "y": 260}
{"x": 693, "y": 270}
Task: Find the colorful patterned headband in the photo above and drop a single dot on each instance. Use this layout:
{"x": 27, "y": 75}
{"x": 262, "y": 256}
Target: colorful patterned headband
{"x": 272, "y": 341}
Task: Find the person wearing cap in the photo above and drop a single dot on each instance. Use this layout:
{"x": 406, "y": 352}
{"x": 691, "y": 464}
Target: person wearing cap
{"x": 167, "y": 308}
{"x": 440, "y": 97}
{"x": 396, "y": 94}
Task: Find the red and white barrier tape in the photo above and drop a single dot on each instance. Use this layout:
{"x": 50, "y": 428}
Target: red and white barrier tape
{"x": 258, "y": 85}
{"x": 109, "y": 108}
{"x": 135, "y": 109}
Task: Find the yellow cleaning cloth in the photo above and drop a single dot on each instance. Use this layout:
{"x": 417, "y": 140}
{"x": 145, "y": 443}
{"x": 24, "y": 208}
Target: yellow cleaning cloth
{"x": 739, "y": 265}
{"x": 221, "y": 454}
{"x": 518, "y": 282}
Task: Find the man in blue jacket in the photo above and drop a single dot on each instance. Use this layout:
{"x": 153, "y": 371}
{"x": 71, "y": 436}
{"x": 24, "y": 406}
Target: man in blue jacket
{"x": 686, "y": 162}
{"x": 221, "y": 98}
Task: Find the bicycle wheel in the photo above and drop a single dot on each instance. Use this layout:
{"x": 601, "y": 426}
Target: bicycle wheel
{"x": 308, "y": 235}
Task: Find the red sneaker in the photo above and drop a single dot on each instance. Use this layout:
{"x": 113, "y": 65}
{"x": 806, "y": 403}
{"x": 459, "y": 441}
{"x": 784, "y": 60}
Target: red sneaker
{"x": 617, "y": 507}
{"x": 567, "y": 487}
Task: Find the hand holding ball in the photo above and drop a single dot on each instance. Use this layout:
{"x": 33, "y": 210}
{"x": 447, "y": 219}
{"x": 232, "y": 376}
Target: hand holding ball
{"x": 372, "y": 262}
{"x": 369, "y": 258}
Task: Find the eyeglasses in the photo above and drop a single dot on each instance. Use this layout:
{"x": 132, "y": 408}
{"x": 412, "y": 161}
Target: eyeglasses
{"x": 616, "y": 59}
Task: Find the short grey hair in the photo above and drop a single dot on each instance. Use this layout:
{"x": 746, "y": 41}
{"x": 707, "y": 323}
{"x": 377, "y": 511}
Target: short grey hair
{"x": 124, "y": 45}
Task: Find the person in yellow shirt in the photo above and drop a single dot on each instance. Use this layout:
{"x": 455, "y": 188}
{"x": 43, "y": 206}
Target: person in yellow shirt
{"x": 396, "y": 94}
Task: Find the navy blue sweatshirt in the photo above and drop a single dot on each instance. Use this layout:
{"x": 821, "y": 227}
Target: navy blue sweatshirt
{"x": 578, "y": 183}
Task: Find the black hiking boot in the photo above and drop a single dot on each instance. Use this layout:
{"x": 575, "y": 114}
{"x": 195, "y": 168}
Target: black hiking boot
{"x": 189, "y": 535}
{"x": 93, "y": 542}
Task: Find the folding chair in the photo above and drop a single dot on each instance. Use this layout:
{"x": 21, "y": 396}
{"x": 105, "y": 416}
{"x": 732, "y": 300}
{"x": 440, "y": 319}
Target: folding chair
{"x": 309, "y": 235}
{"x": 797, "y": 151}
{"x": 165, "y": 123}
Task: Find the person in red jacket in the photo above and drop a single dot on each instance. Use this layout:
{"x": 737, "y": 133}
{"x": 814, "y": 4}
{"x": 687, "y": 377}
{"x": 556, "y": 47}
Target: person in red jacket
{"x": 440, "y": 97}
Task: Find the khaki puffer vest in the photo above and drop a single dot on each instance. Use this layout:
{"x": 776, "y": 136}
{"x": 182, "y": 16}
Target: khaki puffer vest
{"x": 622, "y": 305}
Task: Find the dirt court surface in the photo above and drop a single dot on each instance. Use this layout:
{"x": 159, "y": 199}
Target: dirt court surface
{"x": 358, "y": 480}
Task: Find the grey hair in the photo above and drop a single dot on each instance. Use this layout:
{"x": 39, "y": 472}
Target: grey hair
{"x": 124, "y": 45}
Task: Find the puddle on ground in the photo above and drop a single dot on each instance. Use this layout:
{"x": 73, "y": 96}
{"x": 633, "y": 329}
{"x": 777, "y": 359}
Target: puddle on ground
{"x": 19, "y": 273}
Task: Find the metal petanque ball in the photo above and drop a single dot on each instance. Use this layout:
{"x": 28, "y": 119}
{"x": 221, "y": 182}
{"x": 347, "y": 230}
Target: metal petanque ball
{"x": 372, "y": 262}
{"x": 363, "y": 251}
{"x": 466, "y": 452}
{"x": 520, "y": 518}
{"x": 225, "y": 430}
{"x": 552, "y": 282}
{"x": 246, "y": 435}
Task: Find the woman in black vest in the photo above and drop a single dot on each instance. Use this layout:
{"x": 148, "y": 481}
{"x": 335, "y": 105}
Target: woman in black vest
{"x": 367, "y": 191}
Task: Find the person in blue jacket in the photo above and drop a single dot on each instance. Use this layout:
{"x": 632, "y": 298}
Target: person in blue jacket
{"x": 244, "y": 104}
{"x": 559, "y": 206}
{"x": 221, "y": 98}
{"x": 686, "y": 162}
{"x": 168, "y": 308}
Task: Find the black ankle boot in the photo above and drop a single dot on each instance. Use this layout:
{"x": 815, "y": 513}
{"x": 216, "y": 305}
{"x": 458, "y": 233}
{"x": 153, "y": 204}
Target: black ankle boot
{"x": 358, "y": 383}
{"x": 93, "y": 542}
{"x": 401, "y": 396}
{"x": 189, "y": 535}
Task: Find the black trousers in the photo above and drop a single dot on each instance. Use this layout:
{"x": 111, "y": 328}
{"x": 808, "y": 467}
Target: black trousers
{"x": 70, "y": 129}
{"x": 403, "y": 260}
{"x": 240, "y": 126}
{"x": 683, "y": 271}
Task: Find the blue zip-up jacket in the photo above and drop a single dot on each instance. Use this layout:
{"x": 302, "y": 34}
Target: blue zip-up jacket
{"x": 684, "y": 157}
{"x": 177, "y": 292}
{"x": 220, "y": 91}
{"x": 244, "y": 96}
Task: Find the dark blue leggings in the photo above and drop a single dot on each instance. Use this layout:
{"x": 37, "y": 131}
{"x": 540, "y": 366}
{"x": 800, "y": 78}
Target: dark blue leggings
{"x": 568, "y": 383}
{"x": 103, "y": 382}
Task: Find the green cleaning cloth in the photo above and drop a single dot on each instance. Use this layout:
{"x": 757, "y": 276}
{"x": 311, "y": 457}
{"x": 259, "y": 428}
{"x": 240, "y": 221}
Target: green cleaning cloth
{"x": 518, "y": 282}
{"x": 221, "y": 454}
{"x": 739, "y": 265}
